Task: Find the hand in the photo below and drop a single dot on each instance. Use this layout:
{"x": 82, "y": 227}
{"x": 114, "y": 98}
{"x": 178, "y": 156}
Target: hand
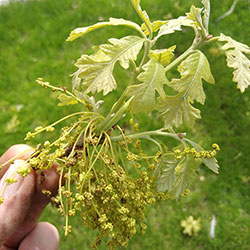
{"x": 23, "y": 204}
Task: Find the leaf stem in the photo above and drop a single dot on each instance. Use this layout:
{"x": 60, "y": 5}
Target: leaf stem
{"x": 146, "y": 134}
{"x": 142, "y": 18}
{"x": 145, "y": 55}
{"x": 119, "y": 104}
{"x": 48, "y": 85}
{"x": 192, "y": 49}
{"x": 179, "y": 59}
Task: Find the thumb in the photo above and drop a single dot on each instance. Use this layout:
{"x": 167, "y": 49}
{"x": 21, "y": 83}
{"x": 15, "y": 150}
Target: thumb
{"x": 17, "y": 199}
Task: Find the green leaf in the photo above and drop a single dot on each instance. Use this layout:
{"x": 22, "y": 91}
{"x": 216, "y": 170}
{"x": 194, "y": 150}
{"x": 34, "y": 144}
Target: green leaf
{"x": 237, "y": 60}
{"x": 175, "y": 109}
{"x": 195, "y": 16}
{"x": 156, "y": 25}
{"x": 163, "y": 56}
{"x": 143, "y": 15}
{"x": 185, "y": 175}
{"x": 193, "y": 70}
{"x": 95, "y": 72}
{"x": 211, "y": 163}
{"x": 153, "y": 78}
{"x": 76, "y": 33}
{"x": 206, "y": 11}
{"x": 125, "y": 49}
{"x": 165, "y": 174}
{"x": 174, "y": 25}
{"x": 66, "y": 100}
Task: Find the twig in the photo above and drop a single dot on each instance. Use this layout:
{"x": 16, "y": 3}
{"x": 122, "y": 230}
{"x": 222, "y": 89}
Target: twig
{"x": 230, "y": 11}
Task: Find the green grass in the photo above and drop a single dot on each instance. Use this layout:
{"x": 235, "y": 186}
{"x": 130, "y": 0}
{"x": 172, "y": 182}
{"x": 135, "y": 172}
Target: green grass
{"x": 32, "y": 44}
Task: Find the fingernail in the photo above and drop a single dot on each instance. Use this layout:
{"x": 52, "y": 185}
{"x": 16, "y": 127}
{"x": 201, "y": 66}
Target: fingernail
{"x": 11, "y": 189}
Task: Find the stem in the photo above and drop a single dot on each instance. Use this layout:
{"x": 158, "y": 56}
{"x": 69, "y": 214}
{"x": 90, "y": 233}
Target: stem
{"x": 65, "y": 118}
{"x": 140, "y": 14}
{"x": 156, "y": 143}
{"x": 60, "y": 189}
{"x": 208, "y": 15}
{"x": 118, "y": 105}
{"x": 229, "y": 12}
{"x": 146, "y": 134}
{"x": 146, "y": 51}
{"x": 195, "y": 45}
{"x": 18, "y": 157}
{"x": 48, "y": 85}
{"x": 179, "y": 59}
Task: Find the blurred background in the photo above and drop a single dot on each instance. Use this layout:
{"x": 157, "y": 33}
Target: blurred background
{"x": 32, "y": 45}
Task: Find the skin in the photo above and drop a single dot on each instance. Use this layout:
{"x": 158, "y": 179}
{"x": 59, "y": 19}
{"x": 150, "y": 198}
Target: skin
{"x": 23, "y": 205}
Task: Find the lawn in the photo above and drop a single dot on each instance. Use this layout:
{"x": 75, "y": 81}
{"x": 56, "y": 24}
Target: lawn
{"x": 32, "y": 45}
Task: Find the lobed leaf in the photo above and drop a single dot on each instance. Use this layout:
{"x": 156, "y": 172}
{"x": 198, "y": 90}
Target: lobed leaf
{"x": 195, "y": 16}
{"x": 124, "y": 49}
{"x": 163, "y": 56}
{"x": 175, "y": 109}
{"x": 165, "y": 176}
{"x": 174, "y": 25}
{"x": 76, "y": 33}
{"x": 236, "y": 59}
{"x": 206, "y": 11}
{"x": 95, "y": 72}
{"x": 153, "y": 78}
{"x": 185, "y": 177}
{"x": 193, "y": 70}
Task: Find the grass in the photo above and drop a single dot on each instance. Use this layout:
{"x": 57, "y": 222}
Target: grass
{"x": 32, "y": 44}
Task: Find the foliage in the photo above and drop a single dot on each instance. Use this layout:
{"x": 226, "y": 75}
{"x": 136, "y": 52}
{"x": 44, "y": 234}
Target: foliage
{"x": 95, "y": 74}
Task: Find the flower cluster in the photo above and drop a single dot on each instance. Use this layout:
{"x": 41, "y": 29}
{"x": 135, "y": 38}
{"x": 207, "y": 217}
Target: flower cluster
{"x": 197, "y": 153}
{"x": 108, "y": 183}
{"x": 109, "y": 191}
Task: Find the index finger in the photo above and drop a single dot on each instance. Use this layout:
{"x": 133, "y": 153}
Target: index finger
{"x": 18, "y": 151}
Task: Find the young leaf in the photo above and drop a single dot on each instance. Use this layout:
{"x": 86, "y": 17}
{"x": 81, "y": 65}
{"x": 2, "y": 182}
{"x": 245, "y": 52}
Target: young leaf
{"x": 211, "y": 163}
{"x": 185, "y": 177}
{"x": 174, "y": 25}
{"x": 166, "y": 172}
{"x": 124, "y": 49}
{"x": 175, "y": 109}
{"x": 95, "y": 72}
{"x": 143, "y": 15}
{"x": 206, "y": 11}
{"x": 193, "y": 70}
{"x": 156, "y": 25}
{"x": 163, "y": 56}
{"x": 66, "y": 100}
{"x": 76, "y": 33}
{"x": 153, "y": 78}
{"x": 195, "y": 16}
{"x": 237, "y": 60}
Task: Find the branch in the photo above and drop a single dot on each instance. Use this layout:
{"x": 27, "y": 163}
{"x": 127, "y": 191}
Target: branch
{"x": 229, "y": 12}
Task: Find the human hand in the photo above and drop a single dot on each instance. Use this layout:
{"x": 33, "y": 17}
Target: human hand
{"x": 23, "y": 204}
